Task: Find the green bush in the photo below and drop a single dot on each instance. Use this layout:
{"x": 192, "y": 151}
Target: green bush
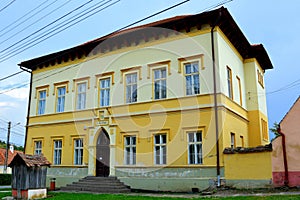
{"x": 5, "y": 179}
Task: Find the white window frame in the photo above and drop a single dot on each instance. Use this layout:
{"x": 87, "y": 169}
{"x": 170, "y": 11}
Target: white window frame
{"x": 130, "y": 150}
{"x": 232, "y": 140}
{"x": 160, "y": 83}
{"x": 81, "y": 95}
{"x": 160, "y": 155}
{"x": 57, "y": 152}
{"x": 104, "y": 85}
{"x": 42, "y": 102}
{"x": 38, "y": 147}
{"x": 129, "y": 83}
{"x": 229, "y": 82}
{"x": 197, "y": 155}
{"x": 78, "y": 151}
{"x": 192, "y": 75}
{"x": 61, "y": 97}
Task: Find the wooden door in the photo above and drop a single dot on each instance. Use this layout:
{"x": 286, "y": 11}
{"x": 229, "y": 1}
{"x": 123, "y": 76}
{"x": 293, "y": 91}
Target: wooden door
{"x": 103, "y": 154}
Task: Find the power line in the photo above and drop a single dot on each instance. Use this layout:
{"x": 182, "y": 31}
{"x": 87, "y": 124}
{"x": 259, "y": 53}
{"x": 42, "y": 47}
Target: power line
{"x": 23, "y": 16}
{"x": 7, "y": 5}
{"x": 11, "y": 75}
{"x": 46, "y": 15}
{"x": 26, "y": 19}
{"x": 3, "y": 92}
{"x": 16, "y": 52}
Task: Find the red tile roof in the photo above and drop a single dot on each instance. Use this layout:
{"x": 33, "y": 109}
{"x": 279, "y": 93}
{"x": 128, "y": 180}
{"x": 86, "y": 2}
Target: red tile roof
{"x": 10, "y": 156}
{"x": 219, "y": 17}
{"x": 29, "y": 160}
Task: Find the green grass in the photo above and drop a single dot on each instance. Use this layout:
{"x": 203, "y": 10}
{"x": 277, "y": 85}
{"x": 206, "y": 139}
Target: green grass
{"x": 84, "y": 196}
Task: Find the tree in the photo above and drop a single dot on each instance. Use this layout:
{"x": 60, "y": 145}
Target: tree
{"x": 274, "y": 129}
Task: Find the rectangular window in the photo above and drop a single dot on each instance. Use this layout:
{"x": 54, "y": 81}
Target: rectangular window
{"x": 57, "y": 152}
{"x": 195, "y": 148}
{"x": 130, "y": 150}
{"x": 131, "y": 88}
{"x": 232, "y": 140}
{"x": 192, "y": 78}
{"x": 240, "y": 90}
{"x": 160, "y": 83}
{"x": 229, "y": 83}
{"x": 242, "y": 141}
{"x": 78, "y": 151}
{"x": 104, "y": 92}
{"x": 81, "y": 96}
{"x": 260, "y": 78}
{"x": 37, "y": 147}
{"x": 264, "y": 127}
{"x": 60, "y": 102}
{"x": 160, "y": 149}
{"x": 42, "y": 102}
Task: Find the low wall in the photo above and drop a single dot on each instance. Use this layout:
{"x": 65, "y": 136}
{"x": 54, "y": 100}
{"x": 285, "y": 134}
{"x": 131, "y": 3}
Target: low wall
{"x": 65, "y": 175}
{"x": 174, "y": 179}
{"x": 248, "y": 170}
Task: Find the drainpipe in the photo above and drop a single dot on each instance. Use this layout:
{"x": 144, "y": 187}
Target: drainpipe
{"x": 215, "y": 98}
{"x": 286, "y": 171}
{"x": 29, "y": 102}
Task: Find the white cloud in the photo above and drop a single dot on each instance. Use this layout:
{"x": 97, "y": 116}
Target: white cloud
{"x": 20, "y": 93}
{"x": 8, "y": 104}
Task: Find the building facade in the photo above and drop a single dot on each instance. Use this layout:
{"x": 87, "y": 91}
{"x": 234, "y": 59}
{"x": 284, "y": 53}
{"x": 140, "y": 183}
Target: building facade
{"x": 285, "y": 156}
{"x": 141, "y": 103}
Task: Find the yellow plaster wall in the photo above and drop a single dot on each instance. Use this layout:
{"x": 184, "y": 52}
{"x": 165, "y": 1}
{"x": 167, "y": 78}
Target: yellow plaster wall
{"x": 248, "y": 166}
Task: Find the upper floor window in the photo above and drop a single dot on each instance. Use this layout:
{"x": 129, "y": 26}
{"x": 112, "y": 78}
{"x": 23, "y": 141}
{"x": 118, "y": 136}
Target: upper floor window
{"x": 38, "y": 147}
{"x": 195, "y": 148}
{"x": 240, "y": 90}
{"x": 260, "y": 78}
{"x": 160, "y": 83}
{"x": 192, "y": 78}
{"x": 78, "y": 151}
{"x": 232, "y": 140}
{"x": 160, "y": 149}
{"x": 130, "y": 150}
{"x": 104, "y": 91}
{"x": 131, "y": 87}
{"x": 57, "y": 152}
{"x": 229, "y": 83}
{"x": 60, "y": 102}
{"x": 81, "y": 96}
{"x": 42, "y": 102}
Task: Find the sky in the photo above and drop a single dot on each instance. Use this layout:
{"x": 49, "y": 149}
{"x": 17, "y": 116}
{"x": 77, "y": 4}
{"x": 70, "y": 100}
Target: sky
{"x": 275, "y": 24}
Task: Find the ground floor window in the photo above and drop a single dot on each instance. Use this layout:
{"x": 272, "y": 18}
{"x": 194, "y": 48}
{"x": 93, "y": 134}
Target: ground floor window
{"x": 57, "y": 152}
{"x": 78, "y": 151}
{"x": 37, "y": 147}
{"x": 160, "y": 149}
{"x": 195, "y": 147}
{"x": 130, "y": 150}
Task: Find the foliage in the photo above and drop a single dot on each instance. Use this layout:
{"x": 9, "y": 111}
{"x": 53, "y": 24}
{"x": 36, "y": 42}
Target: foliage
{"x": 274, "y": 128}
{"x": 18, "y": 148}
{"x": 5, "y": 179}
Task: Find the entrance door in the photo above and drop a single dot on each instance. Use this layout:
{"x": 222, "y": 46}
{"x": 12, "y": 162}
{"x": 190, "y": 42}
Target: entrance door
{"x": 103, "y": 153}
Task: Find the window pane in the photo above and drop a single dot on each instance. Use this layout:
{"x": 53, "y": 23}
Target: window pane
{"x": 195, "y": 67}
{"x": 188, "y": 68}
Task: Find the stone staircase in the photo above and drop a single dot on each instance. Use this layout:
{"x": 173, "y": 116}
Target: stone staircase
{"x": 93, "y": 184}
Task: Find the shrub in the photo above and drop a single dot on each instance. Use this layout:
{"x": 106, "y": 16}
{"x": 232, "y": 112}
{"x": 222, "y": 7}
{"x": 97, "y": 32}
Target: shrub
{"x": 5, "y": 179}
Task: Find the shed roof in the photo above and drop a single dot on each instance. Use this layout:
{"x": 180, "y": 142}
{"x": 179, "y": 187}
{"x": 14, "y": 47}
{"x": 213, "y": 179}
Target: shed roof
{"x": 223, "y": 18}
{"x": 29, "y": 160}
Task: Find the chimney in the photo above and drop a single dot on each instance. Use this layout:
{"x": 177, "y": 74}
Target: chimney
{"x": 11, "y": 148}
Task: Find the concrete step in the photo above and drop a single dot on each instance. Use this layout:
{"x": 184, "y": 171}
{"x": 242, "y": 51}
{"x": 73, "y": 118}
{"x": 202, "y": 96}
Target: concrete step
{"x": 97, "y": 185}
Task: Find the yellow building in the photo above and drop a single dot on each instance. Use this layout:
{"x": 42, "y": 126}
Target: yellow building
{"x": 140, "y": 104}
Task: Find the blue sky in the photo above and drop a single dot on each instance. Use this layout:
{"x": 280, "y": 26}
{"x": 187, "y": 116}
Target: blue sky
{"x": 275, "y": 25}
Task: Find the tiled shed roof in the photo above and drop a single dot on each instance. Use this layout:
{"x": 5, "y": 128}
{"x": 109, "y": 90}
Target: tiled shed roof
{"x": 29, "y": 160}
{"x": 10, "y": 156}
{"x": 265, "y": 148}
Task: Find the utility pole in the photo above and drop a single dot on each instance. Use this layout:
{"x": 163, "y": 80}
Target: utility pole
{"x": 7, "y": 148}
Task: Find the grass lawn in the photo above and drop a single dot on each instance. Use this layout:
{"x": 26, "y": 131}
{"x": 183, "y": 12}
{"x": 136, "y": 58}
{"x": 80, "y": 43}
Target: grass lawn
{"x": 84, "y": 196}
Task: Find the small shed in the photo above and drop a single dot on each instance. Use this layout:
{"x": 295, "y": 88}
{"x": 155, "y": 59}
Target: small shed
{"x": 29, "y": 176}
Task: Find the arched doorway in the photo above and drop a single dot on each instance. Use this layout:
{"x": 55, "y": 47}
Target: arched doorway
{"x": 102, "y": 154}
